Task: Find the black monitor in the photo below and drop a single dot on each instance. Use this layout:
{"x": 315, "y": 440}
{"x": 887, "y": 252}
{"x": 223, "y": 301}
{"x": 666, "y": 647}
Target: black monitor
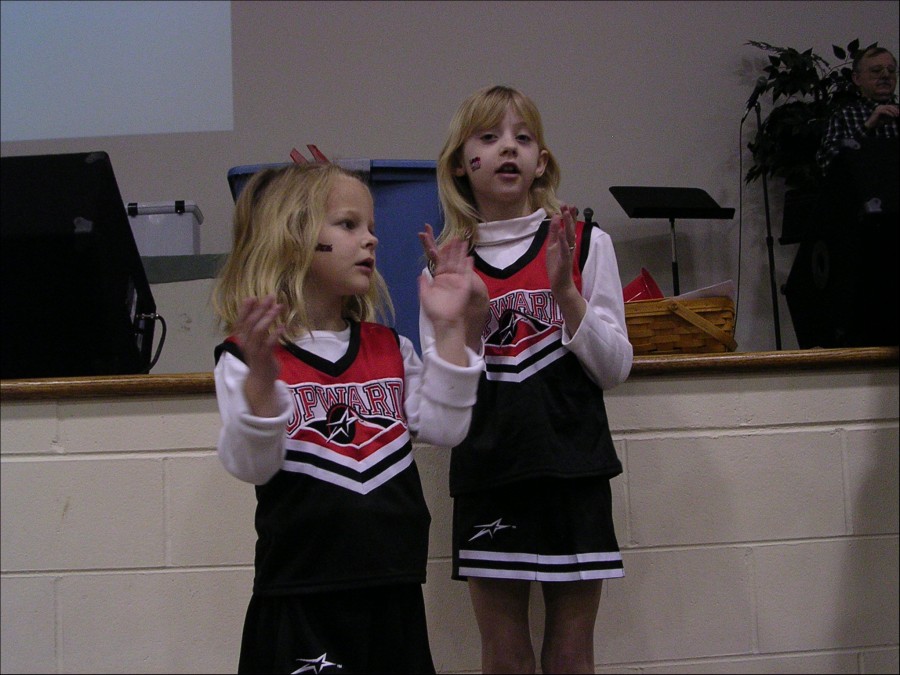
{"x": 75, "y": 297}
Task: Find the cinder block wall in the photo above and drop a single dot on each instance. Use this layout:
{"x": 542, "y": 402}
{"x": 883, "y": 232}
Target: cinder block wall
{"x": 758, "y": 516}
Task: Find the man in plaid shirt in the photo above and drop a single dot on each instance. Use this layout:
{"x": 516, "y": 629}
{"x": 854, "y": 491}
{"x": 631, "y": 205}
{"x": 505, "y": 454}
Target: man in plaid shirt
{"x": 873, "y": 115}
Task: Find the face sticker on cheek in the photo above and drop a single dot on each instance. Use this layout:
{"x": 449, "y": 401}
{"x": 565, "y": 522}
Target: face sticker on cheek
{"x": 475, "y": 163}
{"x": 323, "y": 247}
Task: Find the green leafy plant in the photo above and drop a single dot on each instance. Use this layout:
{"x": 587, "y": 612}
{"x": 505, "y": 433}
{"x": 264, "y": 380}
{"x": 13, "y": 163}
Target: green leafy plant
{"x": 806, "y": 89}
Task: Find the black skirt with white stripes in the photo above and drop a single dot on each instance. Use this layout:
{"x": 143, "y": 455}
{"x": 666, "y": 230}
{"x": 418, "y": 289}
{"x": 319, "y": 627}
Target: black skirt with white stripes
{"x": 544, "y": 529}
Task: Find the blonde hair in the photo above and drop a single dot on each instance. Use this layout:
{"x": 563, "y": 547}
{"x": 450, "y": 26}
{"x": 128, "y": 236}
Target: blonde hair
{"x": 277, "y": 219}
{"x": 483, "y": 110}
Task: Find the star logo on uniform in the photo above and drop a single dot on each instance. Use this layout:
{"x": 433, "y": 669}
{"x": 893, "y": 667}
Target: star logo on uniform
{"x": 514, "y": 326}
{"x": 341, "y": 421}
{"x": 315, "y": 665}
{"x": 491, "y": 529}
{"x": 509, "y": 323}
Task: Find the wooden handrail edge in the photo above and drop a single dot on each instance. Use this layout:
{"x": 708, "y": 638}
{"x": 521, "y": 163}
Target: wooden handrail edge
{"x": 180, "y": 384}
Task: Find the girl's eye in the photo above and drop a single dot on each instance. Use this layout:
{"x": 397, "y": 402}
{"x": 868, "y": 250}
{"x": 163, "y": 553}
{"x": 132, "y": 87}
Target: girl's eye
{"x": 488, "y": 137}
{"x": 524, "y": 138}
{"x": 347, "y": 224}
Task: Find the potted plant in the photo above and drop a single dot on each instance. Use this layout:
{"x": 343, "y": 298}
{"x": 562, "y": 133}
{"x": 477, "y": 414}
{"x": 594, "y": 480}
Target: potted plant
{"x": 806, "y": 90}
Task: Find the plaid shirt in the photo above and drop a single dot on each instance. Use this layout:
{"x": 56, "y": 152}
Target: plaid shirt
{"x": 848, "y": 124}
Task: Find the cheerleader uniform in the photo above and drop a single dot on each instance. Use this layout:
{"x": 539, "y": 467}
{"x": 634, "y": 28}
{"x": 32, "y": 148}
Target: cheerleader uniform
{"x": 341, "y": 519}
{"x": 530, "y": 481}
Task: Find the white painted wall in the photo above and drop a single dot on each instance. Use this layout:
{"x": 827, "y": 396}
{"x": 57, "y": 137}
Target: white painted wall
{"x": 632, "y": 93}
{"x": 758, "y": 518}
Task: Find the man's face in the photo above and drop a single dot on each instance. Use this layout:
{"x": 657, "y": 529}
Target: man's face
{"x": 877, "y": 77}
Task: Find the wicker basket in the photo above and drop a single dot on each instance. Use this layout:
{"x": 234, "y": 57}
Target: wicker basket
{"x": 670, "y": 326}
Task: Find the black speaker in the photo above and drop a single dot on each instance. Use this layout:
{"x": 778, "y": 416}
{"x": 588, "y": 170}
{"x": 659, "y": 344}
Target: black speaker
{"x": 819, "y": 293}
{"x": 842, "y": 288}
{"x": 75, "y": 297}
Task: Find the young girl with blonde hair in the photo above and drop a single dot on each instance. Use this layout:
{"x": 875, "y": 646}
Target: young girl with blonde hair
{"x": 319, "y": 407}
{"x": 530, "y": 481}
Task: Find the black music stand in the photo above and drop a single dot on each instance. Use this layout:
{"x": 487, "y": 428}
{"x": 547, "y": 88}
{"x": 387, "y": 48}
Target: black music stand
{"x": 670, "y": 203}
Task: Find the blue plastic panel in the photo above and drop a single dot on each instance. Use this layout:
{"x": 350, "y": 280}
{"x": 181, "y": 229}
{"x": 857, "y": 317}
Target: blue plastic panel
{"x": 406, "y": 197}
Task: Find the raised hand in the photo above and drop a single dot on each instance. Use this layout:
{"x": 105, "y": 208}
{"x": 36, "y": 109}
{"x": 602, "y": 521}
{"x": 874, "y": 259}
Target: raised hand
{"x": 257, "y": 336}
{"x": 561, "y": 249}
{"x": 428, "y": 244}
{"x": 560, "y": 254}
{"x": 444, "y": 299}
{"x": 476, "y": 311}
{"x": 882, "y": 115}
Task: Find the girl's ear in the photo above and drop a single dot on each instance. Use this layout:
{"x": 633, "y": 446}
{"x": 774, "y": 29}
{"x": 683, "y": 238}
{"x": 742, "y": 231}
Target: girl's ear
{"x": 459, "y": 171}
{"x": 543, "y": 158}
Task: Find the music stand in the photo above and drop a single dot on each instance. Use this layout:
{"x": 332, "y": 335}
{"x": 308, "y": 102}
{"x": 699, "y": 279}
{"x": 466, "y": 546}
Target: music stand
{"x": 669, "y": 203}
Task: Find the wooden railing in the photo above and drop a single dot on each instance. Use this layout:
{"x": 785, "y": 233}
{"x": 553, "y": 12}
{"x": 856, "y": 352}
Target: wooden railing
{"x": 180, "y": 384}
